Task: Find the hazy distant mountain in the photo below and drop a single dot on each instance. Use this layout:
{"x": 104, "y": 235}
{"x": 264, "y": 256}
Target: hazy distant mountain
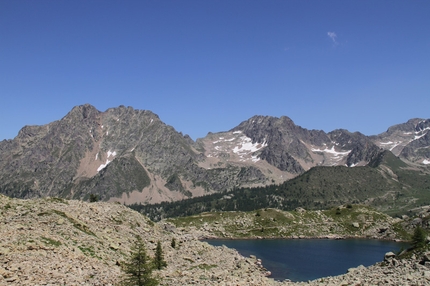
{"x": 131, "y": 156}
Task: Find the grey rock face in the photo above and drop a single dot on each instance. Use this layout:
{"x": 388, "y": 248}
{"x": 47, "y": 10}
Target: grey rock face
{"x": 110, "y": 153}
{"x": 123, "y": 150}
{"x": 362, "y": 148}
{"x": 409, "y": 140}
{"x": 418, "y": 149}
{"x": 289, "y": 144}
{"x": 284, "y": 140}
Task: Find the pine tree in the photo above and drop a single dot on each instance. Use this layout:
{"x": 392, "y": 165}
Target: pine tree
{"x": 173, "y": 243}
{"x": 418, "y": 238}
{"x": 138, "y": 270}
{"x": 159, "y": 261}
{"x": 94, "y": 198}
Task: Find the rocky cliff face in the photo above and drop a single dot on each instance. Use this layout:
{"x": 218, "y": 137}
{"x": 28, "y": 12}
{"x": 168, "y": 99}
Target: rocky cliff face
{"x": 408, "y": 140}
{"x": 120, "y": 153}
{"x": 132, "y": 156}
{"x": 283, "y": 150}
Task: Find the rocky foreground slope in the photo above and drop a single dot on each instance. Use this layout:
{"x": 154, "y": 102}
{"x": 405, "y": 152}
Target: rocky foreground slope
{"x": 59, "y": 242}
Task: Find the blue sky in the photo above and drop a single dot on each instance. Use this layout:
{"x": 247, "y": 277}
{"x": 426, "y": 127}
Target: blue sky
{"x": 206, "y": 66}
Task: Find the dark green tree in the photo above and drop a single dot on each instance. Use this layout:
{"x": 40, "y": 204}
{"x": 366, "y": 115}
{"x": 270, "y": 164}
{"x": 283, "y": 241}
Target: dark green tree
{"x": 419, "y": 237}
{"x": 159, "y": 261}
{"x": 173, "y": 243}
{"x": 138, "y": 270}
{"x": 94, "y": 198}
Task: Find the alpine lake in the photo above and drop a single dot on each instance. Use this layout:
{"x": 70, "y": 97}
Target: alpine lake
{"x": 309, "y": 259}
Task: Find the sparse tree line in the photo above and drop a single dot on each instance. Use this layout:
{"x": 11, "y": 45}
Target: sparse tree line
{"x": 139, "y": 267}
{"x": 318, "y": 188}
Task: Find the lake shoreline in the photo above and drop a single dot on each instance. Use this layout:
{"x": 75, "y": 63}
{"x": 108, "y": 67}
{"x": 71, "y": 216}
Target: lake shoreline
{"x": 332, "y": 237}
{"x": 310, "y": 259}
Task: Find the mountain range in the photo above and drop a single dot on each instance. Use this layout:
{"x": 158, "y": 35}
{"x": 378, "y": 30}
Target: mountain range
{"x": 129, "y": 155}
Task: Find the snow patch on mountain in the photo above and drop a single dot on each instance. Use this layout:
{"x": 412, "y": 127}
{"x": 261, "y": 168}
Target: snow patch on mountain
{"x": 109, "y": 155}
{"x": 418, "y": 137}
{"x": 102, "y": 166}
{"x": 426, "y": 162}
{"x": 222, "y": 139}
{"x": 332, "y": 151}
{"x": 246, "y": 146}
{"x": 237, "y": 145}
{"x": 386, "y": 145}
{"x": 333, "y": 156}
{"x": 422, "y": 130}
{"x": 255, "y": 159}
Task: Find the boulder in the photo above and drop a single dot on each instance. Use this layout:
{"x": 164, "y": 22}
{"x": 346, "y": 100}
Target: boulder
{"x": 169, "y": 227}
{"x": 425, "y": 259}
{"x": 114, "y": 246}
{"x": 389, "y": 255}
{"x": 417, "y": 221}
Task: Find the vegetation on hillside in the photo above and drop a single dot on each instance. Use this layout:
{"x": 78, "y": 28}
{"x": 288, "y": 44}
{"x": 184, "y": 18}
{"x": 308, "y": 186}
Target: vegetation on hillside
{"x": 159, "y": 261}
{"x": 343, "y": 221}
{"x": 388, "y": 184}
{"x": 138, "y": 269}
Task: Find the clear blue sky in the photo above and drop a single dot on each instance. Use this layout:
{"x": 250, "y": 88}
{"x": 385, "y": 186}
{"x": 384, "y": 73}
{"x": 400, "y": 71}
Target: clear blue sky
{"x": 209, "y": 65}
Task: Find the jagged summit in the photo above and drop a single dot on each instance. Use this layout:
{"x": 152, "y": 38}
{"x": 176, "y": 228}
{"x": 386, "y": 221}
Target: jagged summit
{"x": 408, "y": 140}
{"x": 130, "y": 155}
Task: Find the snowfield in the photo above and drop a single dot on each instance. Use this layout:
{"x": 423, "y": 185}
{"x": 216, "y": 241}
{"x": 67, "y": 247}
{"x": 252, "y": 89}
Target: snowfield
{"x": 109, "y": 155}
{"x": 242, "y": 146}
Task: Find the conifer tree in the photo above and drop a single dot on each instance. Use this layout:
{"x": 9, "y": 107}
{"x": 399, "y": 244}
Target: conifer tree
{"x": 94, "y": 198}
{"x": 418, "y": 238}
{"x": 159, "y": 261}
{"x": 138, "y": 270}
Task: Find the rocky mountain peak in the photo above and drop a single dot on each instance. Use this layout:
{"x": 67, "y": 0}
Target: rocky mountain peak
{"x": 408, "y": 140}
{"x": 412, "y": 125}
{"x": 422, "y": 125}
{"x": 82, "y": 112}
{"x": 130, "y": 155}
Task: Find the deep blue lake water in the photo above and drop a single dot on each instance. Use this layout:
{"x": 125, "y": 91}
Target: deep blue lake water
{"x": 309, "y": 259}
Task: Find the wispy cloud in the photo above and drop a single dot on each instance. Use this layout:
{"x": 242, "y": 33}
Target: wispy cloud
{"x": 333, "y": 36}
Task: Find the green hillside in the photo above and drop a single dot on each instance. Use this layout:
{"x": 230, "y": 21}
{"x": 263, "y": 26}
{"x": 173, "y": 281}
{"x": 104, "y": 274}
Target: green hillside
{"x": 387, "y": 183}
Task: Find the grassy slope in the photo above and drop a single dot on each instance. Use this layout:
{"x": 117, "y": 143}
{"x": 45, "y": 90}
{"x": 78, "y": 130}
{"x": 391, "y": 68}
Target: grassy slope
{"x": 335, "y": 222}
